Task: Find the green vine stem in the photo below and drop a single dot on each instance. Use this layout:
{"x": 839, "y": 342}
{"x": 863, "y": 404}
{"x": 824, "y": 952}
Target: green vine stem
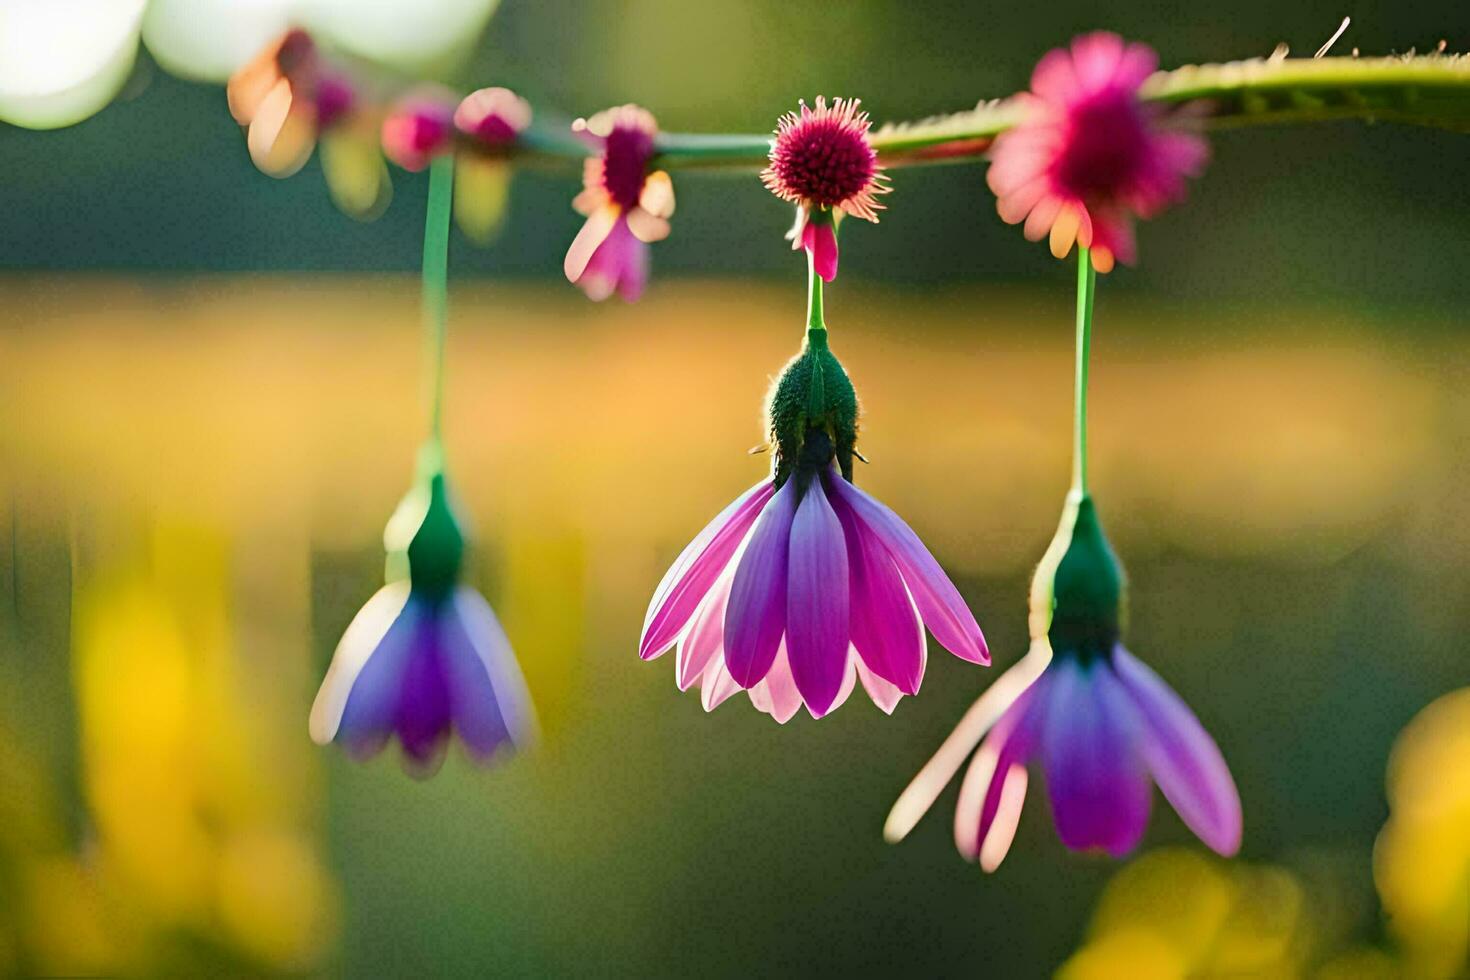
{"x": 1086, "y": 291}
{"x": 436, "y": 285}
{"x": 1426, "y": 90}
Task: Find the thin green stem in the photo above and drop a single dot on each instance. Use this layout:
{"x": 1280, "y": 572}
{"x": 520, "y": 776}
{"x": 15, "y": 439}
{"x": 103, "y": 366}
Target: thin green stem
{"x": 1086, "y": 289}
{"x": 436, "y": 284}
{"x": 814, "y": 319}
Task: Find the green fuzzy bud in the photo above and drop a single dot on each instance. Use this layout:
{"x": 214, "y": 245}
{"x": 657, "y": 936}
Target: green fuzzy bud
{"x": 423, "y": 538}
{"x": 1079, "y": 592}
{"x": 813, "y": 393}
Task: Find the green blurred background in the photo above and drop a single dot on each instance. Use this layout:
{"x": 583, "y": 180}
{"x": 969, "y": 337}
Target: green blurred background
{"x": 209, "y": 402}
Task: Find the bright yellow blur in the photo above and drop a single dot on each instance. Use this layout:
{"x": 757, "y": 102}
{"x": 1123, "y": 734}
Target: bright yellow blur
{"x": 1422, "y": 860}
{"x": 1174, "y": 914}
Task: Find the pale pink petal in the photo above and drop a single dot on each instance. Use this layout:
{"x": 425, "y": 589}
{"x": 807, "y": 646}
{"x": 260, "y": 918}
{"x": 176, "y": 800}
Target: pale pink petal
{"x": 885, "y": 695}
{"x": 594, "y": 232}
{"x": 716, "y": 686}
{"x": 705, "y": 636}
{"x": 776, "y": 694}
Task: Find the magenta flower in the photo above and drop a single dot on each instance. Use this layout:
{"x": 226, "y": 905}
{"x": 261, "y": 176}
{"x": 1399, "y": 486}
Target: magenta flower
{"x": 1101, "y": 724}
{"x": 1089, "y": 156}
{"x": 425, "y": 658}
{"x": 627, "y": 205}
{"x": 805, "y": 585}
{"x": 417, "y": 128}
{"x": 823, "y": 162}
{"x": 492, "y": 117}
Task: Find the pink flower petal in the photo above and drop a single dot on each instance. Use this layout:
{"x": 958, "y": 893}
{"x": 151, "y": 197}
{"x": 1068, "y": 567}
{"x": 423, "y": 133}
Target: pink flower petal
{"x": 1184, "y": 760}
{"x": 756, "y": 616}
{"x": 705, "y": 636}
{"x": 777, "y": 694}
{"x": 823, "y": 246}
{"x": 697, "y": 568}
{"x": 885, "y": 695}
{"x": 818, "y": 600}
{"x": 939, "y": 602}
{"x": 716, "y": 686}
{"x": 885, "y": 626}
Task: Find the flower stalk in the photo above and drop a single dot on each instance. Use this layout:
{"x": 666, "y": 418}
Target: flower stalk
{"x": 1086, "y": 289}
{"x": 436, "y": 285}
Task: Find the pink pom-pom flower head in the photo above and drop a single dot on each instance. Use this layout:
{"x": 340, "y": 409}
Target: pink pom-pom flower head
{"x": 806, "y": 586}
{"x": 1089, "y": 156}
{"x": 823, "y": 162}
{"x": 627, "y": 205}
{"x": 1102, "y": 726}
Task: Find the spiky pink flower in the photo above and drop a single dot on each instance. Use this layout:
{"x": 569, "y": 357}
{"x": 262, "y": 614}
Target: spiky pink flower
{"x": 823, "y": 162}
{"x": 626, "y": 205}
{"x": 798, "y": 592}
{"x": 1089, "y": 156}
{"x": 1102, "y": 725}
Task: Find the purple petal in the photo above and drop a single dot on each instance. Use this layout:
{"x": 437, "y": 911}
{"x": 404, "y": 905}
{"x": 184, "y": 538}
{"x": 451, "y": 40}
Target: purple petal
{"x": 370, "y": 715}
{"x": 817, "y": 601}
{"x": 939, "y": 602}
{"x": 756, "y": 615}
{"x": 697, "y": 568}
{"x": 363, "y": 637}
{"x": 1184, "y": 760}
{"x": 424, "y": 714}
{"x": 885, "y": 627}
{"x": 487, "y": 693}
{"x": 1099, "y": 791}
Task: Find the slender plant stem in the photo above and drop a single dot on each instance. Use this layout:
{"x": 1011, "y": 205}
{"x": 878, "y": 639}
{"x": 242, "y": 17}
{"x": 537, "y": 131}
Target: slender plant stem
{"x": 1086, "y": 289}
{"x": 436, "y": 284}
{"x": 814, "y": 319}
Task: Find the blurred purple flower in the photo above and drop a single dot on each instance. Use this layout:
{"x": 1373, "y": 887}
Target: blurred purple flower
{"x": 1101, "y": 728}
{"x": 795, "y": 593}
{"x": 421, "y": 667}
{"x": 425, "y": 657}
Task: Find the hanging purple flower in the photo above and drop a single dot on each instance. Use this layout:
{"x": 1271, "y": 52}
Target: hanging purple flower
{"x": 425, "y": 657}
{"x": 1100, "y": 723}
{"x": 806, "y": 585}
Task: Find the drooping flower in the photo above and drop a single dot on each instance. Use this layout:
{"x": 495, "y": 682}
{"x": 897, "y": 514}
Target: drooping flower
{"x": 1101, "y": 724}
{"x": 425, "y": 657}
{"x": 627, "y": 206}
{"x": 1089, "y": 156}
{"x": 418, "y": 127}
{"x": 489, "y": 121}
{"x": 823, "y": 162}
{"x": 806, "y": 585}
